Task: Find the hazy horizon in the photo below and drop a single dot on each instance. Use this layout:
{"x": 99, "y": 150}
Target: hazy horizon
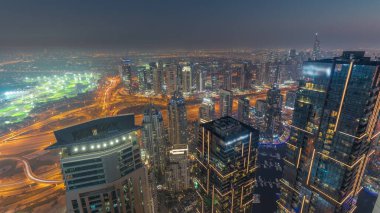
{"x": 169, "y": 24}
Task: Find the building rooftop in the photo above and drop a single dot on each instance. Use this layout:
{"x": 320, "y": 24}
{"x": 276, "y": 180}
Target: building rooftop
{"x": 347, "y": 56}
{"x": 101, "y": 128}
{"x": 227, "y": 128}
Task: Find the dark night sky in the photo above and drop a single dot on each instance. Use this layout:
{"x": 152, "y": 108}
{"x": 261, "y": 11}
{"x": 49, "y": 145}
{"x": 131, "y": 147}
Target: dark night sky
{"x": 155, "y": 24}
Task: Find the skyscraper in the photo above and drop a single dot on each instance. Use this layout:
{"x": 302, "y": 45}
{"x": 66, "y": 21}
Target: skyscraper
{"x": 273, "y": 122}
{"x": 177, "y": 170}
{"x": 227, "y": 80}
{"x": 125, "y": 71}
{"x": 316, "y": 48}
{"x": 225, "y": 102}
{"x": 244, "y": 79}
{"x": 177, "y": 117}
{"x": 187, "y": 81}
{"x": 200, "y": 80}
{"x": 172, "y": 78}
{"x": 243, "y": 109}
{"x": 332, "y": 133}
{"x": 226, "y": 166}
{"x": 142, "y": 76}
{"x": 157, "y": 71}
{"x": 102, "y": 167}
{"x": 206, "y": 110}
{"x": 153, "y": 138}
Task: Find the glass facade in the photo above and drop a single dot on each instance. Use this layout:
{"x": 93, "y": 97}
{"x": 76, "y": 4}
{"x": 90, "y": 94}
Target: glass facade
{"x": 332, "y": 131}
{"x": 226, "y": 165}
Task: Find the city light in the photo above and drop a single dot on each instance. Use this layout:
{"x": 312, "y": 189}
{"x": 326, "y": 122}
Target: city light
{"x": 153, "y": 111}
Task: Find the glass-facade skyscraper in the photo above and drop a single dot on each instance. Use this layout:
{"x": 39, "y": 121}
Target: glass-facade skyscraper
{"x": 225, "y": 102}
{"x": 225, "y": 170}
{"x": 272, "y": 118}
{"x": 206, "y": 110}
{"x": 332, "y": 132}
{"x": 177, "y": 117}
{"x": 243, "y": 109}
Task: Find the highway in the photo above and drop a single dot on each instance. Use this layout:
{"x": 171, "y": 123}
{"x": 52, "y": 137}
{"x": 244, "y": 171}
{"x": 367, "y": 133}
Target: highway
{"x": 29, "y": 173}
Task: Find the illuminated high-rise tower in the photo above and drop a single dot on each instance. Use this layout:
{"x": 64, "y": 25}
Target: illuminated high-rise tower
{"x": 243, "y": 109}
{"x": 153, "y": 138}
{"x": 177, "y": 117}
{"x": 206, "y": 110}
{"x": 225, "y": 102}
{"x": 227, "y": 83}
{"x": 187, "y": 81}
{"x": 244, "y": 77}
{"x": 272, "y": 118}
{"x": 200, "y": 80}
{"x": 335, "y": 124}
{"x": 172, "y": 78}
{"x": 226, "y": 166}
{"x": 316, "y": 48}
{"x": 125, "y": 71}
{"x": 157, "y": 72}
{"x": 102, "y": 167}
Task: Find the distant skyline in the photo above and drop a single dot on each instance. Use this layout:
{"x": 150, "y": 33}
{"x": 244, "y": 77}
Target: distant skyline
{"x": 196, "y": 24}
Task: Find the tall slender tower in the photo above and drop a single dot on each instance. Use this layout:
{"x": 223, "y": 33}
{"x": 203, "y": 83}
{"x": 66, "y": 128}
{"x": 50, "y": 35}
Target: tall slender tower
{"x": 316, "y": 48}
{"x": 272, "y": 118}
{"x": 244, "y": 80}
{"x": 172, "y": 78}
{"x": 157, "y": 71}
{"x": 177, "y": 117}
{"x": 152, "y": 135}
{"x": 335, "y": 124}
{"x": 187, "y": 81}
{"x": 125, "y": 71}
{"x": 243, "y": 109}
{"x": 227, "y": 80}
{"x": 225, "y": 102}
{"x": 153, "y": 138}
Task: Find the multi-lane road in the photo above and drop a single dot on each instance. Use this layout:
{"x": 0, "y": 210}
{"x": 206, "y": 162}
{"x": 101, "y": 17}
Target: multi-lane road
{"x": 29, "y": 173}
